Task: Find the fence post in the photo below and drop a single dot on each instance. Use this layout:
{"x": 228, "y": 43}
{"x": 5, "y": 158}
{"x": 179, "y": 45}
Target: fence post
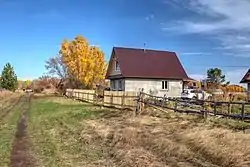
{"x": 111, "y": 100}
{"x": 205, "y": 114}
{"x": 175, "y": 105}
{"x": 215, "y": 112}
{"x": 138, "y": 104}
{"x": 73, "y": 94}
{"x": 243, "y": 111}
{"x": 102, "y": 100}
{"x": 123, "y": 100}
{"x": 163, "y": 101}
{"x": 229, "y": 107}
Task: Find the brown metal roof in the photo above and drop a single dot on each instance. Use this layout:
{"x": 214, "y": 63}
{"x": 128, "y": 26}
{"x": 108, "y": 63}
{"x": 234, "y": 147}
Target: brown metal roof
{"x": 246, "y": 78}
{"x": 140, "y": 63}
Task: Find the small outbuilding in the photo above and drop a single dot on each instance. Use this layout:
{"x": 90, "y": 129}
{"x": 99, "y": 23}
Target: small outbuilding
{"x": 246, "y": 80}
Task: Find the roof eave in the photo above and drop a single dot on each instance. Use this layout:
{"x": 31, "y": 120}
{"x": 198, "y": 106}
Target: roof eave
{"x": 245, "y": 81}
{"x": 156, "y": 77}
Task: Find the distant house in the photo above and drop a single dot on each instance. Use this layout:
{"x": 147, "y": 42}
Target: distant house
{"x": 246, "y": 79}
{"x": 157, "y": 72}
{"x": 191, "y": 83}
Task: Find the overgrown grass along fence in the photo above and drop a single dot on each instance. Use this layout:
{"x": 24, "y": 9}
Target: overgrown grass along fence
{"x": 137, "y": 101}
{"x": 235, "y": 110}
{"x": 118, "y": 99}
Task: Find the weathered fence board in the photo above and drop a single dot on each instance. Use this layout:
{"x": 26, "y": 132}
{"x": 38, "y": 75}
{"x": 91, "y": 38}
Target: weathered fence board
{"x": 85, "y": 95}
{"x": 119, "y": 99}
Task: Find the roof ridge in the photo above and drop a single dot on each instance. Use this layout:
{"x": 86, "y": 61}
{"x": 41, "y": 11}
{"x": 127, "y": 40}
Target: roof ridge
{"x": 133, "y": 48}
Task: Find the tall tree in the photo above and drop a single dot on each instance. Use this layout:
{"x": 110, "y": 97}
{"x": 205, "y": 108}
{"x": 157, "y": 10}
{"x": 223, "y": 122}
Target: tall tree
{"x": 8, "y": 78}
{"x": 215, "y": 77}
{"x": 83, "y": 62}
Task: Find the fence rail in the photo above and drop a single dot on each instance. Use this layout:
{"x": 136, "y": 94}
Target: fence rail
{"x": 137, "y": 101}
{"x": 201, "y": 107}
{"x": 109, "y": 99}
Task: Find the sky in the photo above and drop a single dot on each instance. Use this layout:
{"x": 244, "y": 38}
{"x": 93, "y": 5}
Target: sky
{"x": 204, "y": 33}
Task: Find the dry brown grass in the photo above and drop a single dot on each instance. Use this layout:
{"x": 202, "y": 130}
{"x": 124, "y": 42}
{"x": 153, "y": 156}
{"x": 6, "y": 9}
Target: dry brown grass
{"x": 5, "y": 94}
{"x": 6, "y": 98}
{"x": 236, "y": 97}
{"x": 176, "y": 140}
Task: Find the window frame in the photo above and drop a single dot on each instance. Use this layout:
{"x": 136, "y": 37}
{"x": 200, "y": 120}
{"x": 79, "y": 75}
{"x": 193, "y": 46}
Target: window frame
{"x": 119, "y": 84}
{"x": 117, "y": 66}
{"x": 163, "y": 85}
{"x": 113, "y": 84}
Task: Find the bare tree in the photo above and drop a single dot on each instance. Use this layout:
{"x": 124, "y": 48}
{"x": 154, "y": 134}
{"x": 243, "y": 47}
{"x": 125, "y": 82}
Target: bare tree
{"x": 56, "y": 67}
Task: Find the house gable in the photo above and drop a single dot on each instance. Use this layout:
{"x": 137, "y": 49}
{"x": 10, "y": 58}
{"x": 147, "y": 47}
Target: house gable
{"x": 246, "y": 78}
{"x": 113, "y": 67}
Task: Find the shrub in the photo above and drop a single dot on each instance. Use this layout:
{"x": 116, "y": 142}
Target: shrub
{"x": 38, "y": 90}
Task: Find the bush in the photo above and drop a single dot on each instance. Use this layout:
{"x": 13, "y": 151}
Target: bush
{"x": 38, "y": 90}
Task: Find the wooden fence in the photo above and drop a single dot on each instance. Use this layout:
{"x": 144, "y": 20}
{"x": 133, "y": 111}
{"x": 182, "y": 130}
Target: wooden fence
{"x": 85, "y": 95}
{"x": 118, "y": 99}
{"x": 133, "y": 100}
{"x": 235, "y": 110}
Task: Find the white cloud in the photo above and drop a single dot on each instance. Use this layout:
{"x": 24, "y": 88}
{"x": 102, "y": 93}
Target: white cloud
{"x": 228, "y": 21}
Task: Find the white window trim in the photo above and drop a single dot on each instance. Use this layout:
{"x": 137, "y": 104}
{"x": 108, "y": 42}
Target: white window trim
{"x": 164, "y": 84}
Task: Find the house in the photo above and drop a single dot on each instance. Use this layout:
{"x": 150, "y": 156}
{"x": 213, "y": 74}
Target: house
{"x": 191, "y": 83}
{"x": 246, "y": 79}
{"x": 157, "y": 72}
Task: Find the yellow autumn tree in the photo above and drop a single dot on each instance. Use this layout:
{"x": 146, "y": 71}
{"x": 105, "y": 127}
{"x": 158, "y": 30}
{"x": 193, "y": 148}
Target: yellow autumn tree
{"x": 84, "y": 62}
{"x": 234, "y": 88}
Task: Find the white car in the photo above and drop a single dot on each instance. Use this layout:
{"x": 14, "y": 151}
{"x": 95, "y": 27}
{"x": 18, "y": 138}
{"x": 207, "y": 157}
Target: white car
{"x": 29, "y": 90}
{"x": 195, "y": 94}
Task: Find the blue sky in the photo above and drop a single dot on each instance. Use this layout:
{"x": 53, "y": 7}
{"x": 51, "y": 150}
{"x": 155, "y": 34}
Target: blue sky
{"x": 204, "y": 33}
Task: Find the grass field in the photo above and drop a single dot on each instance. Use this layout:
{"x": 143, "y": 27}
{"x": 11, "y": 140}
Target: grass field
{"x": 64, "y": 133}
{"x": 68, "y": 133}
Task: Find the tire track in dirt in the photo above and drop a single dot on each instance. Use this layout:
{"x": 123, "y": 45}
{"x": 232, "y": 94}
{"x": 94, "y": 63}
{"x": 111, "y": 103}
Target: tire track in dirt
{"x": 9, "y": 108}
{"x": 20, "y": 156}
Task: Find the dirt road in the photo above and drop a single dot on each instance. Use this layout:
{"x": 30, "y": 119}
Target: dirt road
{"x": 20, "y": 156}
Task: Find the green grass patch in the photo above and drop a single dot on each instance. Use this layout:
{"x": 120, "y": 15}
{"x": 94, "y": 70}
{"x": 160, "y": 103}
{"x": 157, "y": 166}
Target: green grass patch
{"x": 56, "y": 129}
{"x": 7, "y": 134}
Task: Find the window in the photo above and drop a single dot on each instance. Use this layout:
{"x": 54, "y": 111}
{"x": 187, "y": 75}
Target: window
{"x": 111, "y": 84}
{"x": 114, "y": 84}
{"x": 117, "y": 67}
{"x": 164, "y": 85}
{"x": 120, "y": 84}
